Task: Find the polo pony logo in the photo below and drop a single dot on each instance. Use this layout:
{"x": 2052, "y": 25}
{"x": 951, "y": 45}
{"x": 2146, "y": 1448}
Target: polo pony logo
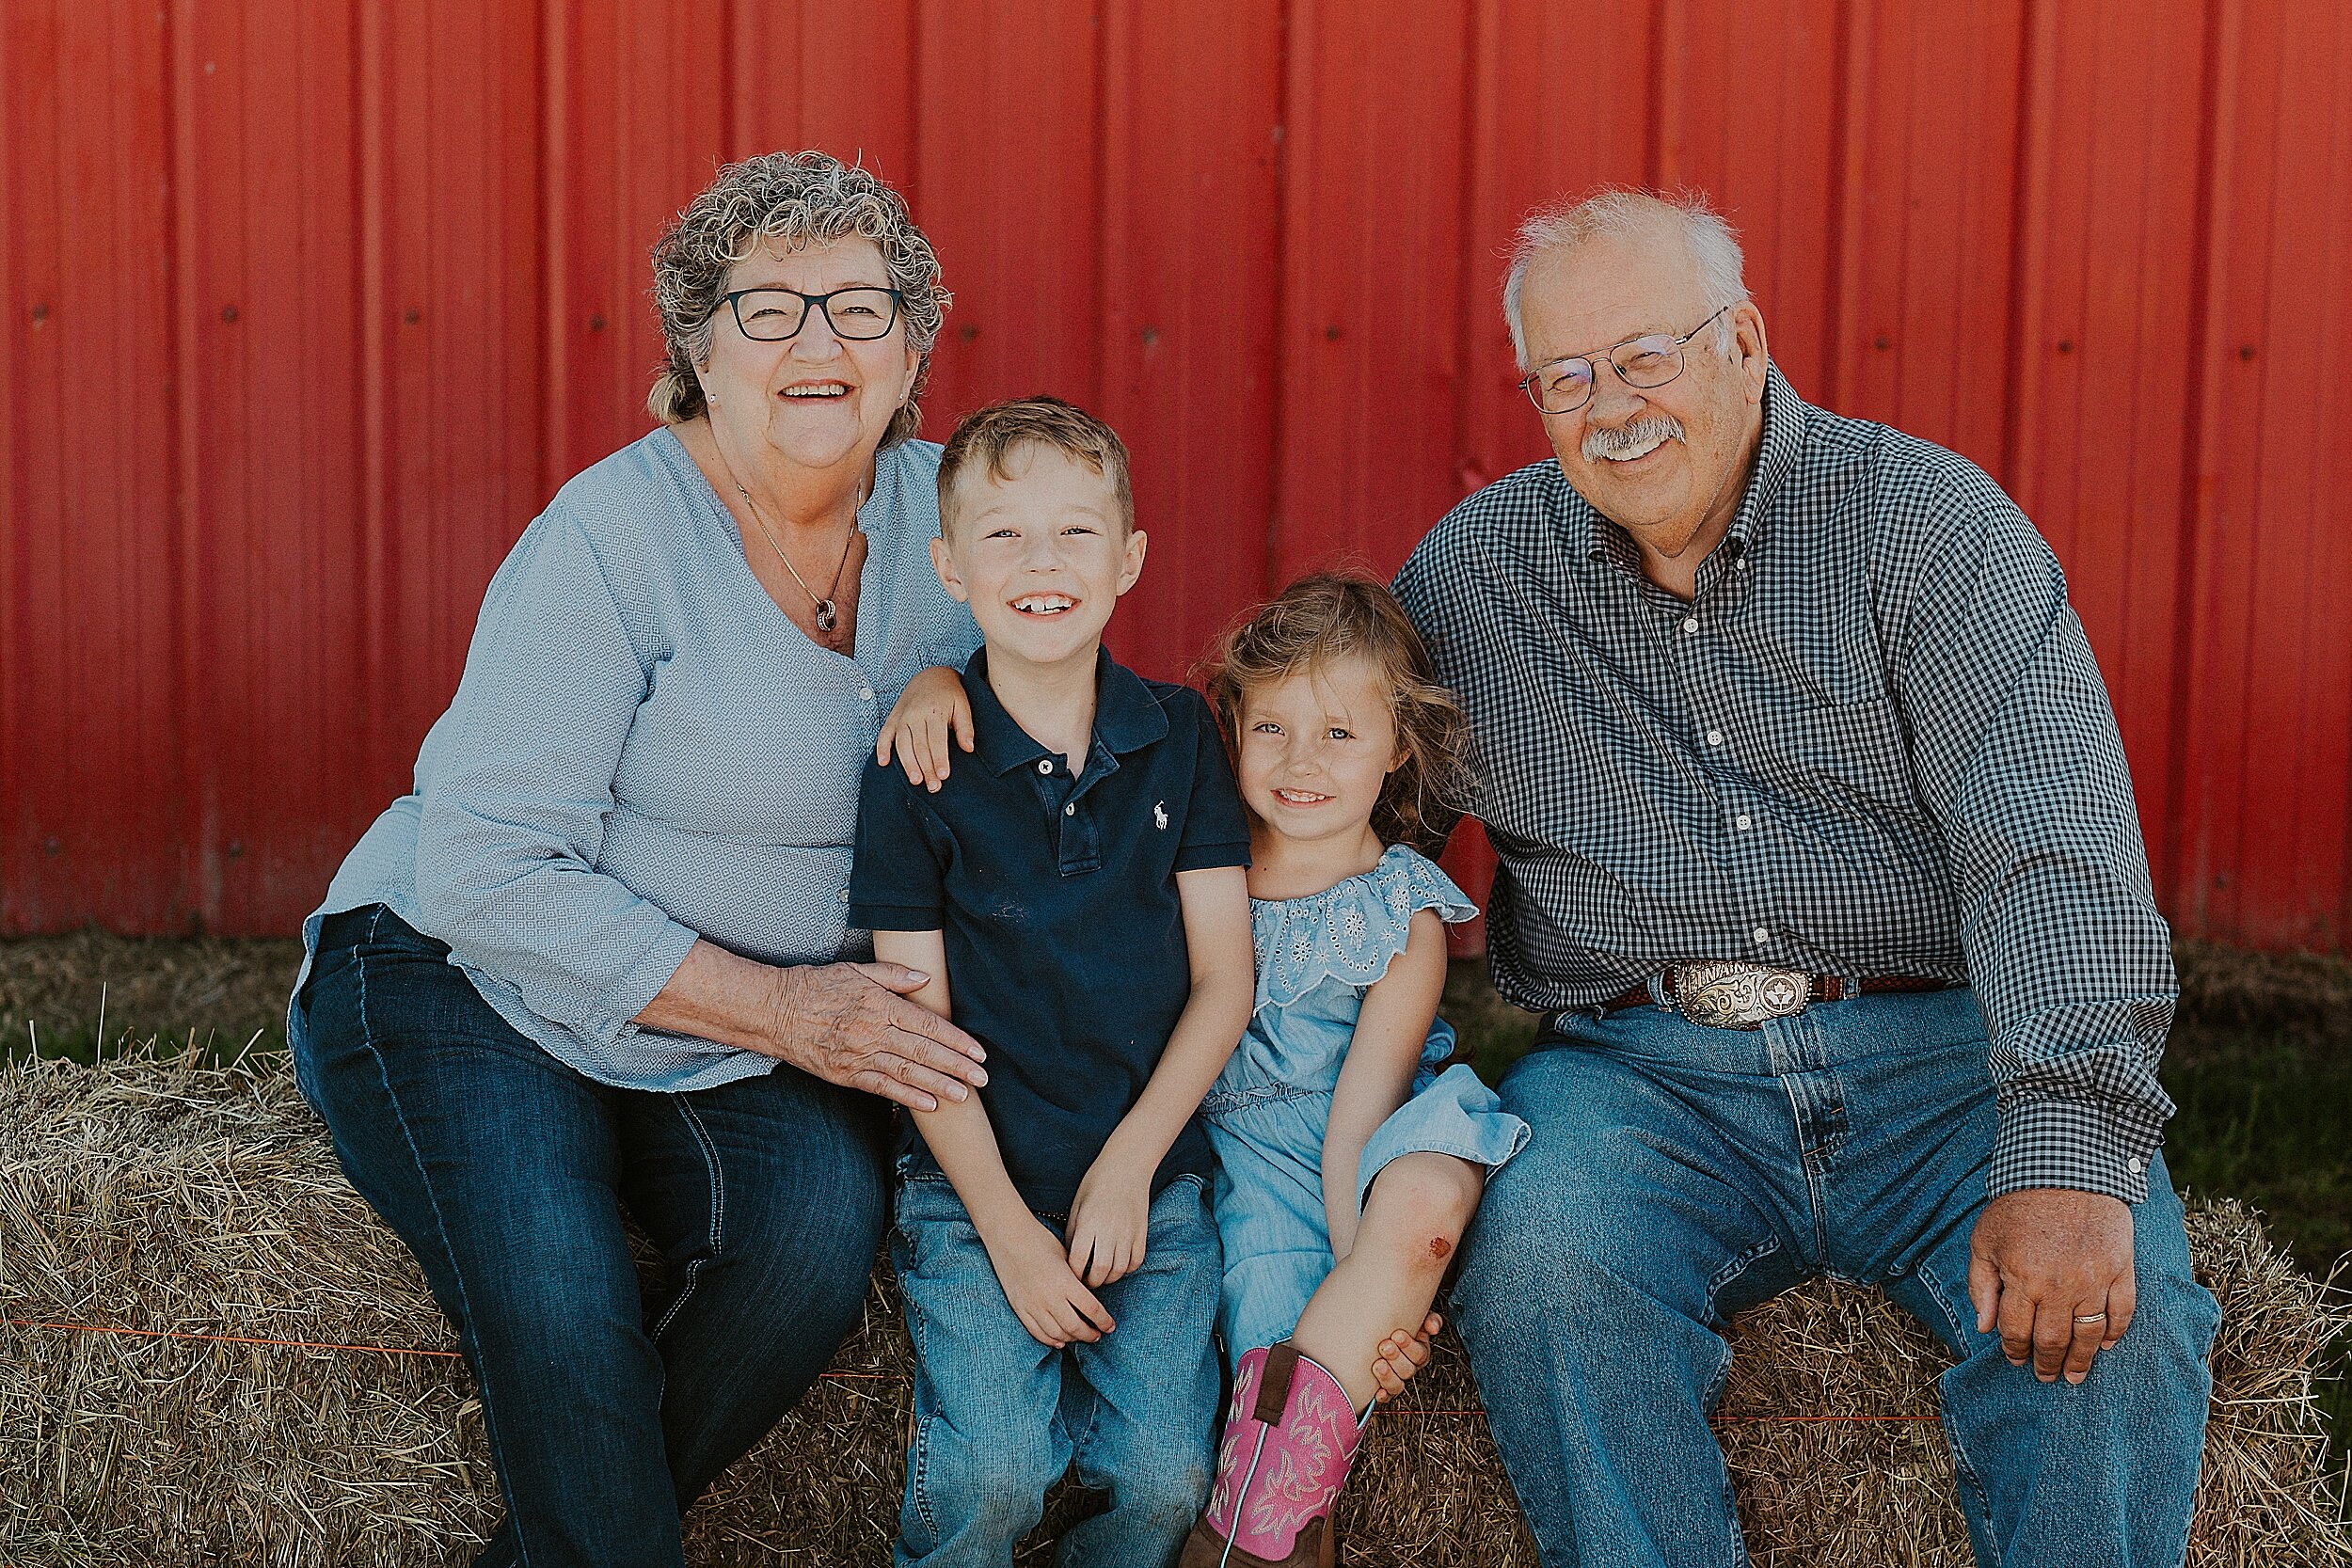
{"x": 1159, "y": 814}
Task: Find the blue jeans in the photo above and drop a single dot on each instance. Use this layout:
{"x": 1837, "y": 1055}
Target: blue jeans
{"x": 506, "y": 1173}
{"x": 1677, "y": 1175}
{"x": 998, "y": 1417}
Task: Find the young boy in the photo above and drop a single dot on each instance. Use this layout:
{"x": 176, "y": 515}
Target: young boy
{"x": 1076, "y": 891}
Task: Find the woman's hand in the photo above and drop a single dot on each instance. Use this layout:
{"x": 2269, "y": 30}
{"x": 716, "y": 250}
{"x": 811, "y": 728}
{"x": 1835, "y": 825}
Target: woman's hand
{"x": 1045, "y": 1295}
{"x": 1109, "y": 1220}
{"x": 851, "y": 1025}
{"x": 932, "y": 707}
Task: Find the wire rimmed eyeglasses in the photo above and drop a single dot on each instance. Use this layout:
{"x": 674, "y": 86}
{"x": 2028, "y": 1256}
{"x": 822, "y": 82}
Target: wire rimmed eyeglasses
{"x": 774, "y": 315}
{"x": 1565, "y": 384}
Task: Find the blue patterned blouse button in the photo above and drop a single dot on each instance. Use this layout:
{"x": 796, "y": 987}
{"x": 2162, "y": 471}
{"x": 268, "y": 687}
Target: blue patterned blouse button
{"x": 865, "y": 693}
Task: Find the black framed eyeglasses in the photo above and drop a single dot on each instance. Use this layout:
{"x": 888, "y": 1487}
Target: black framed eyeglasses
{"x": 1565, "y": 385}
{"x": 772, "y": 315}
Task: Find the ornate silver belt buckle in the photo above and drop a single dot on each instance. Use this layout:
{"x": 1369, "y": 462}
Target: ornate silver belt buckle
{"x": 1731, "y": 995}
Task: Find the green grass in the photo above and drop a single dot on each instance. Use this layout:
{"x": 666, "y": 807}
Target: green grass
{"x": 2266, "y": 1115}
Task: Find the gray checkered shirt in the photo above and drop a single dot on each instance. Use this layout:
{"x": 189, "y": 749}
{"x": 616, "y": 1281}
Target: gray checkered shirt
{"x": 1873, "y": 742}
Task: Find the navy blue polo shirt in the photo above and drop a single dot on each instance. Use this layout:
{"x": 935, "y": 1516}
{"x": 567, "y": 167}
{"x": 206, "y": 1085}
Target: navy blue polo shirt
{"x": 1056, "y": 901}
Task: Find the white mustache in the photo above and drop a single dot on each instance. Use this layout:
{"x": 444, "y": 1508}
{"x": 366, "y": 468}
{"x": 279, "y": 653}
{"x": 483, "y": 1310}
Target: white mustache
{"x": 1601, "y": 443}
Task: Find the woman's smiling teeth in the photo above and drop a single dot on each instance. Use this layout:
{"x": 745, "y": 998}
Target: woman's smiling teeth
{"x": 1044, "y": 604}
{"x": 818, "y": 389}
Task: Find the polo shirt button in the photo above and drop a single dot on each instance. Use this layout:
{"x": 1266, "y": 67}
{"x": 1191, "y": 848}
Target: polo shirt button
{"x": 1714, "y": 737}
{"x": 1045, "y": 766}
{"x": 1746, "y": 821}
{"x": 1762, "y": 935}
{"x": 1071, "y": 810}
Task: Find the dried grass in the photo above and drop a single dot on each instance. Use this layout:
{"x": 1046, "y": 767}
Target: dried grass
{"x": 158, "y": 1193}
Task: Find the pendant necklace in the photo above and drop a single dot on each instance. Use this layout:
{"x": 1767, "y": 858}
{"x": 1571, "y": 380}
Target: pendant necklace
{"x": 828, "y": 609}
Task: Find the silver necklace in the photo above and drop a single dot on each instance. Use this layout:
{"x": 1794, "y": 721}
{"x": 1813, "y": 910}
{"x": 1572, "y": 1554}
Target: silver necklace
{"x": 828, "y": 610}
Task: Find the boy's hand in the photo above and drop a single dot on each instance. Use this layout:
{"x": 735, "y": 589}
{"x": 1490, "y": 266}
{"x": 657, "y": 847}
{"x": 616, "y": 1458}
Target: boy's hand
{"x": 1045, "y": 1295}
{"x": 1399, "y": 1355}
{"x": 1109, "y": 1221}
{"x": 931, "y": 708}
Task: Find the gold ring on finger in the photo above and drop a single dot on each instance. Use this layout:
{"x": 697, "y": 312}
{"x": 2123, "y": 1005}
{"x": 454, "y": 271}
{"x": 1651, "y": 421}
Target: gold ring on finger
{"x": 2091, "y": 1318}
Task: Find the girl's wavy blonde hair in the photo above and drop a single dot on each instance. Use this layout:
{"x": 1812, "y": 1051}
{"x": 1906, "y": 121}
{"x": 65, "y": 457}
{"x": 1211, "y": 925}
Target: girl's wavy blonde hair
{"x": 1331, "y": 615}
{"x": 801, "y": 198}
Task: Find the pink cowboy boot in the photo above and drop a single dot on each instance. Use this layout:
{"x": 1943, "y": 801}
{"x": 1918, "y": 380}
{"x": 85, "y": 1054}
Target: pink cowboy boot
{"x": 1290, "y": 1440}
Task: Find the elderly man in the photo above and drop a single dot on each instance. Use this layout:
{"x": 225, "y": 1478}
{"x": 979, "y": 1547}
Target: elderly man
{"x": 1818, "y": 854}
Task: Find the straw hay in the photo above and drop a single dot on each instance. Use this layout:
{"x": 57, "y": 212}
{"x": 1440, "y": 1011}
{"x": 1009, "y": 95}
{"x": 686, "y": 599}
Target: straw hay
{"x": 160, "y": 1194}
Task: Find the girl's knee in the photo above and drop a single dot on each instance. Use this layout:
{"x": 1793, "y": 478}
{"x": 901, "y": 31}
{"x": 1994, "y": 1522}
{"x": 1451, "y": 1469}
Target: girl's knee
{"x": 1422, "y": 1204}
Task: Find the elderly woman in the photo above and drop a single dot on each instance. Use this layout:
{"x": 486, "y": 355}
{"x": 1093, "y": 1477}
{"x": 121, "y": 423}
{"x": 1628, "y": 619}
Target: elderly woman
{"x": 598, "y": 961}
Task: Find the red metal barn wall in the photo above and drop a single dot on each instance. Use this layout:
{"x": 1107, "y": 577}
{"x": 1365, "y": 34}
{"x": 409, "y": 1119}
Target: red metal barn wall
{"x": 309, "y": 306}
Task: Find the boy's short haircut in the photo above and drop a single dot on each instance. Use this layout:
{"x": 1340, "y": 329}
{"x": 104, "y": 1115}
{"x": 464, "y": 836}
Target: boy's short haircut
{"x": 992, "y": 434}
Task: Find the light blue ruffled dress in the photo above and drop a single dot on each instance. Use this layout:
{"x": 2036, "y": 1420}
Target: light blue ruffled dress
{"x": 1316, "y": 958}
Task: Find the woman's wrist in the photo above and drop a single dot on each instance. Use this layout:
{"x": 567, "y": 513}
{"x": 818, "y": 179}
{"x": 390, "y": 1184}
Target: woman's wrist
{"x": 783, "y": 1028}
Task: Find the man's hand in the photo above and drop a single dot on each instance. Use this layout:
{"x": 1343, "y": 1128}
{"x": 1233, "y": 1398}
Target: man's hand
{"x": 1047, "y": 1298}
{"x": 2052, "y": 1268}
{"x": 1109, "y": 1220}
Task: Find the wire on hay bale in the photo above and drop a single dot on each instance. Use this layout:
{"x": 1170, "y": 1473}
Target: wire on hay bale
{"x": 155, "y": 1195}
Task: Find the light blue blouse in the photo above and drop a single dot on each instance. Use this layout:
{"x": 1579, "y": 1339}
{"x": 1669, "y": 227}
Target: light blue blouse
{"x": 644, "y": 750}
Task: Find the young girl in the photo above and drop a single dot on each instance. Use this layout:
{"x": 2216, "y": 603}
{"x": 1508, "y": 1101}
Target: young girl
{"x": 1351, "y": 1155}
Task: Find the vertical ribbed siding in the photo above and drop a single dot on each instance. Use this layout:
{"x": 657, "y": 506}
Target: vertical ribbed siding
{"x": 393, "y": 267}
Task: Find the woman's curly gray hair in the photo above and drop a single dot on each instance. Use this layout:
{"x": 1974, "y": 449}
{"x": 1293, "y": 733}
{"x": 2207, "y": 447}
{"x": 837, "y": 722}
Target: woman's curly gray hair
{"x": 801, "y": 198}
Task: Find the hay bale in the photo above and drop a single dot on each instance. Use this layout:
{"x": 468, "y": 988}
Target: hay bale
{"x": 157, "y": 1194}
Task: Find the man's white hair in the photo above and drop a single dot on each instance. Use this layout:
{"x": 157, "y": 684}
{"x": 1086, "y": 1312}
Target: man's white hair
{"x": 1617, "y": 214}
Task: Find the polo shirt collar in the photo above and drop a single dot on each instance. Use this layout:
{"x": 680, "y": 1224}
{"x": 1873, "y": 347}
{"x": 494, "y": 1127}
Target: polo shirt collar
{"x": 1784, "y": 417}
{"x": 1126, "y": 718}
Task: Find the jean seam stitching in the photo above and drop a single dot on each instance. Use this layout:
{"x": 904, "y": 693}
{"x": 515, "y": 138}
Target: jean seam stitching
{"x": 441, "y": 1227}
{"x": 717, "y": 1235}
{"x": 1925, "y": 1273}
{"x": 1731, "y": 1272}
{"x": 918, "y": 1453}
{"x": 1813, "y": 1194}
{"x": 1713, "y": 1389}
{"x": 1964, "y": 1474}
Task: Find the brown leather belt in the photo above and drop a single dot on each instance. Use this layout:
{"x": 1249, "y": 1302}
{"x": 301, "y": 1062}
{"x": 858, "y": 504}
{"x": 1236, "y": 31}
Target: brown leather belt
{"x": 1743, "y": 996}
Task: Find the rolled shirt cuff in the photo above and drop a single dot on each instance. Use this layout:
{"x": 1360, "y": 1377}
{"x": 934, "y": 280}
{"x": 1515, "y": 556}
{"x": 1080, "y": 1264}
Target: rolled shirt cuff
{"x": 633, "y": 989}
{"x": 2070, "y": 1144}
